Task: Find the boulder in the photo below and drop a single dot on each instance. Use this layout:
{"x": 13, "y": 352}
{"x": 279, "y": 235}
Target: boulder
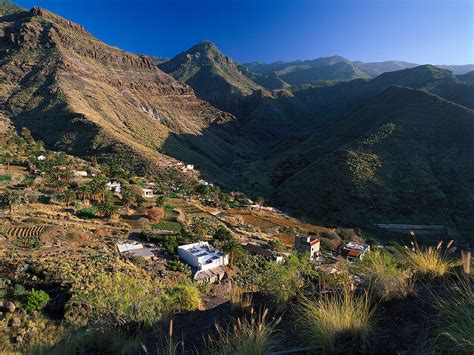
{"x": 10, "y": 306}
{"x": 15, "y": 322}
{"x": 22, "y": 312}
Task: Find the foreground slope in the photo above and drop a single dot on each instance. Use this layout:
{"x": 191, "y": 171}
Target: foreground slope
{"x": 80, "y": 95}
{"x": 406, "y": 156}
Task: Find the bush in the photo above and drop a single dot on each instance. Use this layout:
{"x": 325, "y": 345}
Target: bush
{"x": 283, "y": 281}
{"x": 180, "y": 298}
{"x": 123, "y": 300}
{"x": 5, "y": 178}
{"x": 155, "y": 213}
{"x": 335, "y": 322}
{"x": 92, "y": 341}
{"x": 36, "y": 300}
{"x": 87, "y": 213}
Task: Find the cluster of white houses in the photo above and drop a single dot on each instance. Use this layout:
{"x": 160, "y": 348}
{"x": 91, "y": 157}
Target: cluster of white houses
{"x": 117, "y": 188}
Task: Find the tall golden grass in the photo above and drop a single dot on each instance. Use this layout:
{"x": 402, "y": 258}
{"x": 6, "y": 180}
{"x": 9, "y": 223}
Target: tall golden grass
{"x": 335, "y": 321}
{"x": 454, "y": 331}
{"x": 428, "y": 261}
{"x": 250, "y": 336}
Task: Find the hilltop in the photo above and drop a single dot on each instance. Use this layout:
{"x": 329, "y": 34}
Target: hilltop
{"x": 215, "y": 77}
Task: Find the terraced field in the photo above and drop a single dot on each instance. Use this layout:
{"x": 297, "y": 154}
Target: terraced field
{"x": 24, "y": 231}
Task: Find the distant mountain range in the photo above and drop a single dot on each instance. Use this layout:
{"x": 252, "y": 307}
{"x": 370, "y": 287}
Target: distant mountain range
{"x": 339, "y": 142}
{"x": 328, "y": 68}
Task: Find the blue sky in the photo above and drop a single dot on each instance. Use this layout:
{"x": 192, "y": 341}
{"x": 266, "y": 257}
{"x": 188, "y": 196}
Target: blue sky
{"x": 420, "y": 31}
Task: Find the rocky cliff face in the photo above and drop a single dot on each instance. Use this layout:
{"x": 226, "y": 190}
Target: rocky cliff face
{"x": 81, "y": 95}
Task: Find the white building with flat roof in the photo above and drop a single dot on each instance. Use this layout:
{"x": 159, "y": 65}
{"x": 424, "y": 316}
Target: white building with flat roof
{"x": 147, "y": 193}
{"x": 114, "y": 186}
{"x": 202, "y": 256}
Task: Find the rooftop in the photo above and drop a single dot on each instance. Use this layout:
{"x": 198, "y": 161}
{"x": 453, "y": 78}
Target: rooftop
{"x": 202, "y": 250}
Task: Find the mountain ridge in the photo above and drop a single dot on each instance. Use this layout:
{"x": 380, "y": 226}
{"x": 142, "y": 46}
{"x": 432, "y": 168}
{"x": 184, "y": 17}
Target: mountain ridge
{"x": 94, "y": 99}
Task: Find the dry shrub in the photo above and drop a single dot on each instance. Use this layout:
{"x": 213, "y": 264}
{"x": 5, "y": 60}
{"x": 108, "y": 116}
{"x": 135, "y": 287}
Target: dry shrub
{"x": 155, "y": 213}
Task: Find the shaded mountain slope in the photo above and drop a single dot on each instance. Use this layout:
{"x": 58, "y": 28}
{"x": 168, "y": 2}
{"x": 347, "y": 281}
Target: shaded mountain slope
{"x": 214, "y": 77}
{"x": 467, "y": 78}
{"x": 83, "y": 96}
{"x": 376, "y": 68}
{"x": 406, "y": 156}
{"x": 305, "y": 108}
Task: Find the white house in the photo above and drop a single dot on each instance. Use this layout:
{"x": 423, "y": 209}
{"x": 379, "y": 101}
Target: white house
{"x": 305, "y": 244}
{"x": 190, "y": 167}
{"x": 202, "y": 256}
{"x": 147, "y": 193}
{"x": 114, "y": 186}
{"x": 80, "y": 173}
{"x": 41, "y": 157}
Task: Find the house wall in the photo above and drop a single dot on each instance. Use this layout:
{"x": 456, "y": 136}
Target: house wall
{"x": 188, "y": 257}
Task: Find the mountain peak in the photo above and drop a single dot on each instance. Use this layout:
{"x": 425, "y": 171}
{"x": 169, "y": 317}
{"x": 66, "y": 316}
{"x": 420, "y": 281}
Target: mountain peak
{"x": 214, "y": 76}
{"x": 206, "y": 44}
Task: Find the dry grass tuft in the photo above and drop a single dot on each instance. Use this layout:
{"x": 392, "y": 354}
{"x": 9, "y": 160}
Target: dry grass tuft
{"x": 254, "y": 336}
{"x": 428, "y": 261}
{"x": 336, "y": 321}
{"x": 454, "y": 332}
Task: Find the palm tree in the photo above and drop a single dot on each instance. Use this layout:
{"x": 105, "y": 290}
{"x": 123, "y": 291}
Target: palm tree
{"x": 99, "y": 187}
{"x": 84, "y": 191}
{"x": 128, "y": 198}
{"x": 232, "y": 248}
{"x": 69, "y": 197}
{"x": 107, "y": 208}
{"x": 12, "y": 198}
